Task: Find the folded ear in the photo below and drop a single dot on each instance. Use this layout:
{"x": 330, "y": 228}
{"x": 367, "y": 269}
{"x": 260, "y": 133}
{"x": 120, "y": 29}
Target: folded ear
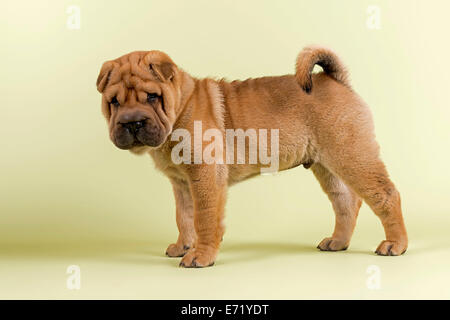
{"x": 164, "y": 71}
{"x": 104, "y": 76}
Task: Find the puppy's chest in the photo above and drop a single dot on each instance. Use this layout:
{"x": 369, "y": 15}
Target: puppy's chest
{"x": 164, "y": 163}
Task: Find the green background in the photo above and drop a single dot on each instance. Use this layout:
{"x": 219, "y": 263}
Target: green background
{"x": 68, "y": 196}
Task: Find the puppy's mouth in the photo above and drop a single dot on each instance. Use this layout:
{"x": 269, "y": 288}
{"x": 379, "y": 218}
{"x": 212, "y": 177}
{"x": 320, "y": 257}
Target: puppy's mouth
{"x": 143, "y": 133}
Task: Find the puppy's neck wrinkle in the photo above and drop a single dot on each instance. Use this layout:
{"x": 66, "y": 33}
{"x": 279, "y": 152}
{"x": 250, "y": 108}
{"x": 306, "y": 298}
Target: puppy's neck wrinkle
{"x": 228, "y": 94}
{"x": 216, "y": 103}
{"x": 188, "y": 86}
{"x": 201, "y": 98}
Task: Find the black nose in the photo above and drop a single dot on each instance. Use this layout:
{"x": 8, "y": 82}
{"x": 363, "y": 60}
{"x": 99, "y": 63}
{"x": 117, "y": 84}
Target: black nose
{"x": 133, "y": 126}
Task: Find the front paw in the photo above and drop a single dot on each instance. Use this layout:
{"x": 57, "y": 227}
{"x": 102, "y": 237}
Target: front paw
{"x": 392, "y": 248}
{"x": 332, "y": 244}
{"x": 198, "y": 259}
{"x": 177, "y": 250}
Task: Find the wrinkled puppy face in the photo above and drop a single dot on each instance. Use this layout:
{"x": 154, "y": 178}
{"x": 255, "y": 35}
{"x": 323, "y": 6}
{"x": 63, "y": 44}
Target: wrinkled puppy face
{"x": 140, "y": 97}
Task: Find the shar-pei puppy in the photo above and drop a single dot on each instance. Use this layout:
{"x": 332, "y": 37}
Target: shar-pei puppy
{"x": 207, "y": 134}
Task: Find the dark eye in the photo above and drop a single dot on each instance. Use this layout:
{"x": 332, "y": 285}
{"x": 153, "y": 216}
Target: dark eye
{"x": 152, "y": 97}
{"x": 114, "y": 102}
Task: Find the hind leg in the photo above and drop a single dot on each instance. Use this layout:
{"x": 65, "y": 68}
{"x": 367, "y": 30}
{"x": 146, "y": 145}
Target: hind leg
{"x": 368, "y": 177}
{"x": 346, "y": 204}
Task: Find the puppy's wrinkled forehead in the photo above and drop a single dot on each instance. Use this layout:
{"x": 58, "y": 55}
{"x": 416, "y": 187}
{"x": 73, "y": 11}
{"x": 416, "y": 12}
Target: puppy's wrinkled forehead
{"x": 140, "y": 70}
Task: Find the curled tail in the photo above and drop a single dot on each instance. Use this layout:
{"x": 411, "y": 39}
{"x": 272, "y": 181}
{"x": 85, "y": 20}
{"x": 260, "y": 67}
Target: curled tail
{"x": 323, "y": 57}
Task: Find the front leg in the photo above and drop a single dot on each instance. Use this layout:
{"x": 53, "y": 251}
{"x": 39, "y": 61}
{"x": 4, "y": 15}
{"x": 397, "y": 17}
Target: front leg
{"x": 185, "y": 219}
{"x": 208, "y": 184}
